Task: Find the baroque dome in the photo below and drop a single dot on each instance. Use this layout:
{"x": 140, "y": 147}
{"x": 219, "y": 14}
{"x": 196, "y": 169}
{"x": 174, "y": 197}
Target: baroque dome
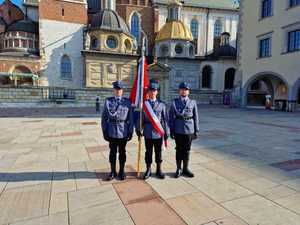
{"x": 174, "y": 30}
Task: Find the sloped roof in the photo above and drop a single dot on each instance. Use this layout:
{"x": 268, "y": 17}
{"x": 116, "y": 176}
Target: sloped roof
{"x": 214, "y": 4}
{"x": 109, "y": 20}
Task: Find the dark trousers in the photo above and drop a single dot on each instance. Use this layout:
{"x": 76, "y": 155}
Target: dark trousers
{"x": 183, "y": 146}
{"x": 150, "y": 144}
{"x": 117, "y": 145}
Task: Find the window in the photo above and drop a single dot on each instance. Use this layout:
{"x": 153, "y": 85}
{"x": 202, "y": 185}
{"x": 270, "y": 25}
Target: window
{"x": 191, "y": 51}
{"x": 111, "y": 42}
{"x": 94, "y": 43}
{"x": 294, "y": 3}
{"x": 265, "y": 47}
{"x": 178, "y": 49}
{"x": 266, "y": 9}
{"x": 218, "y": 28}
{"x": 206, "y": 77}
{"x": 127, "y": 44}
{"x": 294, "y": 41}
{"x": 66, "y": 67}
{"x": 164, "y": 50}
{"x": 135, "y": 26}
{"x": 194, "y": 28}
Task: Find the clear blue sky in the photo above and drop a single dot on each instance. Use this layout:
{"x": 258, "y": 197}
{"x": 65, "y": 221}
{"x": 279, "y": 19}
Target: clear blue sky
{"x": 17, "y": 2}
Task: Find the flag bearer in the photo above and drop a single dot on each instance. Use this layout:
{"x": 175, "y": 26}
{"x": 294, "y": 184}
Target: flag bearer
{"x": 117, "y": 127}
{"x": 155, "y": 129}
{"x": 184, "y": 126}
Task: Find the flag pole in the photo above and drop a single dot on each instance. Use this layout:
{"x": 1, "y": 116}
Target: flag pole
{"x": 141, "y": 114}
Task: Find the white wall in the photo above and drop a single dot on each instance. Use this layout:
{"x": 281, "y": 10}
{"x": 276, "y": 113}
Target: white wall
{"x": 59, "y": 38}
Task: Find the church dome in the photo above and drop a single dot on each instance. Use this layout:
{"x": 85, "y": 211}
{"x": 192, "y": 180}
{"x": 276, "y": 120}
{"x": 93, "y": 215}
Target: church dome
{"x": 174, "y": 30}
{"x": 108, "y": 19}
{"x": 25, "y": 25}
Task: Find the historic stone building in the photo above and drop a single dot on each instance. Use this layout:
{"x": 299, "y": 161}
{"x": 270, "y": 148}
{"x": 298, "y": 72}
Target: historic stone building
{"x": 269, "y": 53}
{"x": 19, "y": 46}
{"x": 176, "y": 59}
{"x": 207, "y": 20}
{"x": 110, "y": 49}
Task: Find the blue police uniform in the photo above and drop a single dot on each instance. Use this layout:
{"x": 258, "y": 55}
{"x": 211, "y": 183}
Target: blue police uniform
{"x": 117, "y": 127}
{"x": 184, "y": 126}
{"x": 152, "y": 138}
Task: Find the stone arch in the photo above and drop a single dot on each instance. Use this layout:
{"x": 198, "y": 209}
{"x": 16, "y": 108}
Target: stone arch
{"x": 270, "y": 83}
{"x": 22, "y": 80}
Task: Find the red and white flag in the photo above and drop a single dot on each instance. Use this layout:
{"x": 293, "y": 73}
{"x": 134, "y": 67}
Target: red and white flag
{"x": 140, "y": 85}
{"x": 138, "y": 96}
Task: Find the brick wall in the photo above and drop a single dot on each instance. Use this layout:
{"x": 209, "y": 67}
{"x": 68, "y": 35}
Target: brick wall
{"x": 72, "y": 12}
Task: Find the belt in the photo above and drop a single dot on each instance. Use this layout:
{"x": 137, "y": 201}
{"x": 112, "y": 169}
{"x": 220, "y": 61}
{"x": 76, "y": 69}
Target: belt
{"x": 116, "y": 121}
{"x": 183, "y": 118}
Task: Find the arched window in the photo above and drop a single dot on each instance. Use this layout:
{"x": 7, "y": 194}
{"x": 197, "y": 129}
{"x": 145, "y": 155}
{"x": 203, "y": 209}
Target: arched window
{"x": 135, "y": 26}
{"x": 66, "y": 67}
{"x": 194, "y": 28}
{"x": 229, "y": 78}
{"x": 206, "y": 77}
{"x": 218, "y": 28}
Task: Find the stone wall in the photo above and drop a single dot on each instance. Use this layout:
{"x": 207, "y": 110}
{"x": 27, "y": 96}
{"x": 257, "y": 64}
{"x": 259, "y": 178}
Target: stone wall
{"x": 39, "y": 97}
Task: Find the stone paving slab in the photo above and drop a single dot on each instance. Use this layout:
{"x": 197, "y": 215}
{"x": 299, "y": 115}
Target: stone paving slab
{"x": 55, "y": 219}
{"x": 24, "y": 203}
{"x": 257, "y": 210}
{"x": 217, "y": 187}
{"x": 196, "y": 208}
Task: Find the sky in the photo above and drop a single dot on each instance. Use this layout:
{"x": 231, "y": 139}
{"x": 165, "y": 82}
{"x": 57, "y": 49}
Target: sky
{"x": 17, "y": 2}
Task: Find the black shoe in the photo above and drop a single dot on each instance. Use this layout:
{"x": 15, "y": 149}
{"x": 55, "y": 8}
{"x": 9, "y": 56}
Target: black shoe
{"x": 159, "y": 173}
{"x": 186, "y": 172}
{"x": 178, "y": 173}
{"x": 148, "y": 172}
{"x": 112, "y": 175}
{"x": 113, "y": 172}
{"x": 178, "y": 170}
{"x": 122, "y": 174}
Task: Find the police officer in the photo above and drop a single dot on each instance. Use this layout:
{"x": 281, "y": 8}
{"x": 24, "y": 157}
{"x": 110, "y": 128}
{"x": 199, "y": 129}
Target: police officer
{"x": 152, "y": 138}
{"x": 117, "y": 127}
{"x": 184, "y": 126}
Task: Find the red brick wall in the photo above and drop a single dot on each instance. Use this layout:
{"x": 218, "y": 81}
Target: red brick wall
{"x": 53, "y": 10}
{"x": 10, "y": 12}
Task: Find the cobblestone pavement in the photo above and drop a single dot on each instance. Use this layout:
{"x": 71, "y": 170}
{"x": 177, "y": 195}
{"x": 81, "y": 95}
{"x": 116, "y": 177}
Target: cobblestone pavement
{"x": 247, "y": 167}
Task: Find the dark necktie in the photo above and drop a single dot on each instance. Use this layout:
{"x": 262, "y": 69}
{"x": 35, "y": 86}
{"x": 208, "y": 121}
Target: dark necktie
{"x": 152, "y": 104}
